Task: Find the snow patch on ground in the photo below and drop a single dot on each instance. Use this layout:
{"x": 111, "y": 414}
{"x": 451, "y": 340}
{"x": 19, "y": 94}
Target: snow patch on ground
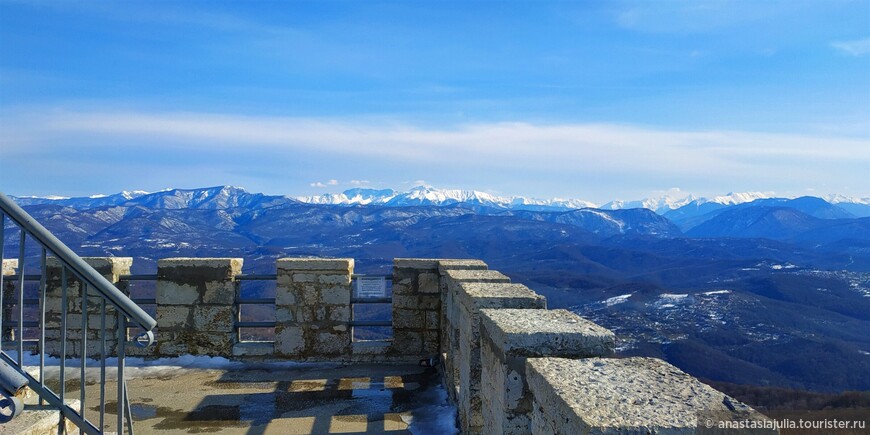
{"x": 616, "y": 300}
{"x": 717, "y": 292}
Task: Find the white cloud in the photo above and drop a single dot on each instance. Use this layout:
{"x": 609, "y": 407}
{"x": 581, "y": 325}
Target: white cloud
{"x": 525, "y": 149}
{"x": 359, "y": 182}
{"x": 857, "y": 48}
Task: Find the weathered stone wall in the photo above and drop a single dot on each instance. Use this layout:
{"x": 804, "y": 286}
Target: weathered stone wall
{"x": 451, "y": 277}
{"x": 630, "y": 395}
{"x": 472, "y": 297}
{"x": 416, "y": 308}
{"x": 196, "y": 308}
{"x": 508, "y": 338}
{"x": 110, "y": 268}
{"x": 8, "y": 268}
{"x": 312, "y": 308}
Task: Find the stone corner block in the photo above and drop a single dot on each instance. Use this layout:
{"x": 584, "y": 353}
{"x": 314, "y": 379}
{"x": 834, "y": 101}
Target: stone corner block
{"x": 590, "y": 396}
{"x": 337, "y": 264}
{"x": 415, "y": 263}
{"x": 461, "y": 264}
{"x": 110, "y": 265}
{"x": 545, "y": 333}
{"x": 199, "y": 269}
{"x": 9, "y": 266}
{"x": 476, "y": 275}
{"x": 479, "y": 295}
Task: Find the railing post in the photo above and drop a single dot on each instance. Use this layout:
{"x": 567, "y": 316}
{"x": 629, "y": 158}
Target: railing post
{"x": 196, "y": 305}
{"x": 9, "y": 267}
{"x": 110, "y": 268}
{"x": 312, "y": 307}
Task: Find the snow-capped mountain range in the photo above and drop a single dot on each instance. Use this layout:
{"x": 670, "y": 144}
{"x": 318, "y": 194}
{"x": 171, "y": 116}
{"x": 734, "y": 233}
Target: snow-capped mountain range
{"x": 431, "y": 196}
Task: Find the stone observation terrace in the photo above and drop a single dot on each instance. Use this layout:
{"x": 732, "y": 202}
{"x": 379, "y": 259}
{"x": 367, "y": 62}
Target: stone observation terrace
{"x": 466, "y": 349}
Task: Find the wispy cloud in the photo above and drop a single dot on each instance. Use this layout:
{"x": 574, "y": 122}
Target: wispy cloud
{"x": 324, "y": 184}
{"x": 857, "y": 48}
{"x": 526, "y": 148}
{"x": 359, "y": 182}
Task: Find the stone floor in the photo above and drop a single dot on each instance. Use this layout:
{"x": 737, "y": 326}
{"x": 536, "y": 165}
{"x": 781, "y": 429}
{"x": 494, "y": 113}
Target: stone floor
{"x": 279, "y": 398}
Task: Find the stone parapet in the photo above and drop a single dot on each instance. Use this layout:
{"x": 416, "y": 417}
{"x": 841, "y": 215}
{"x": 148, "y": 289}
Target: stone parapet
{"x": 508, "y": 338}
{"x": 196, "y": 308}
{"x": 452, "y": 274}
{"x": 416, "y": 308}
{"x": 631, "y": 395}
{"x": 110, "y": 268}
{"x": 312, "y": 308}
{"x": 473, "y": 297}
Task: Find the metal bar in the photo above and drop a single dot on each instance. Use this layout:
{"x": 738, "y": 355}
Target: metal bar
{"x": 370, "y": 323}
{"x": 257, "y": 277}
{"x": 386, "y": 300}
{"x": 42, "y": 291}
{"x": 255, "y": 324}
{"x": 84, "y": 353}
{"x": 359, "y": 275}
{"x": 145, "y": 301}
{"x": 21, "y": 299}
{"x": 57, "y": 402}
{"x": 255, "y": 301}
{"x": 102, "y": 363}
{"x": 129, "y": 412}
{"x": 138, "y": 277}
{"x": 2, "y": 283}
{"x": 69, "y": 258}
{"x": 63, "y": 325}
{"x": 27, "y": 277}
{"x": 122, "y": 341}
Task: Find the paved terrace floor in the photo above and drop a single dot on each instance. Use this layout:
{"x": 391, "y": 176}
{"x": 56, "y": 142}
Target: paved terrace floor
{"x": 277, "y": 398}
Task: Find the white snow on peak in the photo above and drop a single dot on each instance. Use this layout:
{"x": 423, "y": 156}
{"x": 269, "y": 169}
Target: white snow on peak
{"x": 717, "y": 292}
{"x": 733, "y": 198}
{"x": 838, "y": 199}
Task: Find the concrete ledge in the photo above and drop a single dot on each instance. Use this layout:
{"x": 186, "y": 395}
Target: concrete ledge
{"x": 416, "y": 263}
{"x": 461, "y": 264}
{"x": 9, "y": 266}
{"x": 341, "y": 264}
{"x": 631, "y": 395}
{"x": 476, "y": 275}
{"x": 535, "y": 333}
{"x": 254, "y": 348}
{"x": 498, "y": 295}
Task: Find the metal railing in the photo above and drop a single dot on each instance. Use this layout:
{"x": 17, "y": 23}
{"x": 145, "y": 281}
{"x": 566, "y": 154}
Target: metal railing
{"x": 91, "y": 284}
{"x": 239, "y": 301}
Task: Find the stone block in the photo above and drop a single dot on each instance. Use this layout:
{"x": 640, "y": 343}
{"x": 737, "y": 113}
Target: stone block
{"x": 407, "y": 342}
{"x": 319, "y": 264}
{"x": 174, "y": 316}
{"x": 289, "y": 340}
{"x": 198, "y": 270}
{"x": 479, "y": 295}
{"x": 334, "y": 279}
{"x": 171, "y": 293}
{"x": 630, "y": 395}
{"x": 537, "y": 333}
{"x": 453, "y": 264}
{"x": 408, "y": 319}
{"x": 476, "y": 275}
{"x": 213, "y": 318}
{"x": 284, "y": 314}
{"x": 335, "y": 295}
{"x": 415, "y": 263}
{"x": 304, "y": 277}
{"x": 427, "y": 282}
{"x": 253, "y": 348}
{"x": 9, "y": 266}
{"x": 328, "y": 343}
{"x": 219, "y": 293}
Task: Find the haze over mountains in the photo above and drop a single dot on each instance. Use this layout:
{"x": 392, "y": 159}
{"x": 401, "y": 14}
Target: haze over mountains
{"x": 739, "y": 288}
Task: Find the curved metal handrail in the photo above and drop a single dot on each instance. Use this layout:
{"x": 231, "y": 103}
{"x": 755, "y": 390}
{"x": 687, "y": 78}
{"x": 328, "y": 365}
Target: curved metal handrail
{"x": 77, "y": 265}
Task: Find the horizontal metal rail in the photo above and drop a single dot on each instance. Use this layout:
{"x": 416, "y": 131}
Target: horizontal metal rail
{"x": 263, "y": 324}
{"x": 257, "y": 277}
{"x": 384, "y": 300}
{"x": 76, "y": 264}
{"x": 370, "y": 323}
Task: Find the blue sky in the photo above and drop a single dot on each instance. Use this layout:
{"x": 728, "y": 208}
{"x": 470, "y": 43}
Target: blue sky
{"x": 591, "y": 100}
